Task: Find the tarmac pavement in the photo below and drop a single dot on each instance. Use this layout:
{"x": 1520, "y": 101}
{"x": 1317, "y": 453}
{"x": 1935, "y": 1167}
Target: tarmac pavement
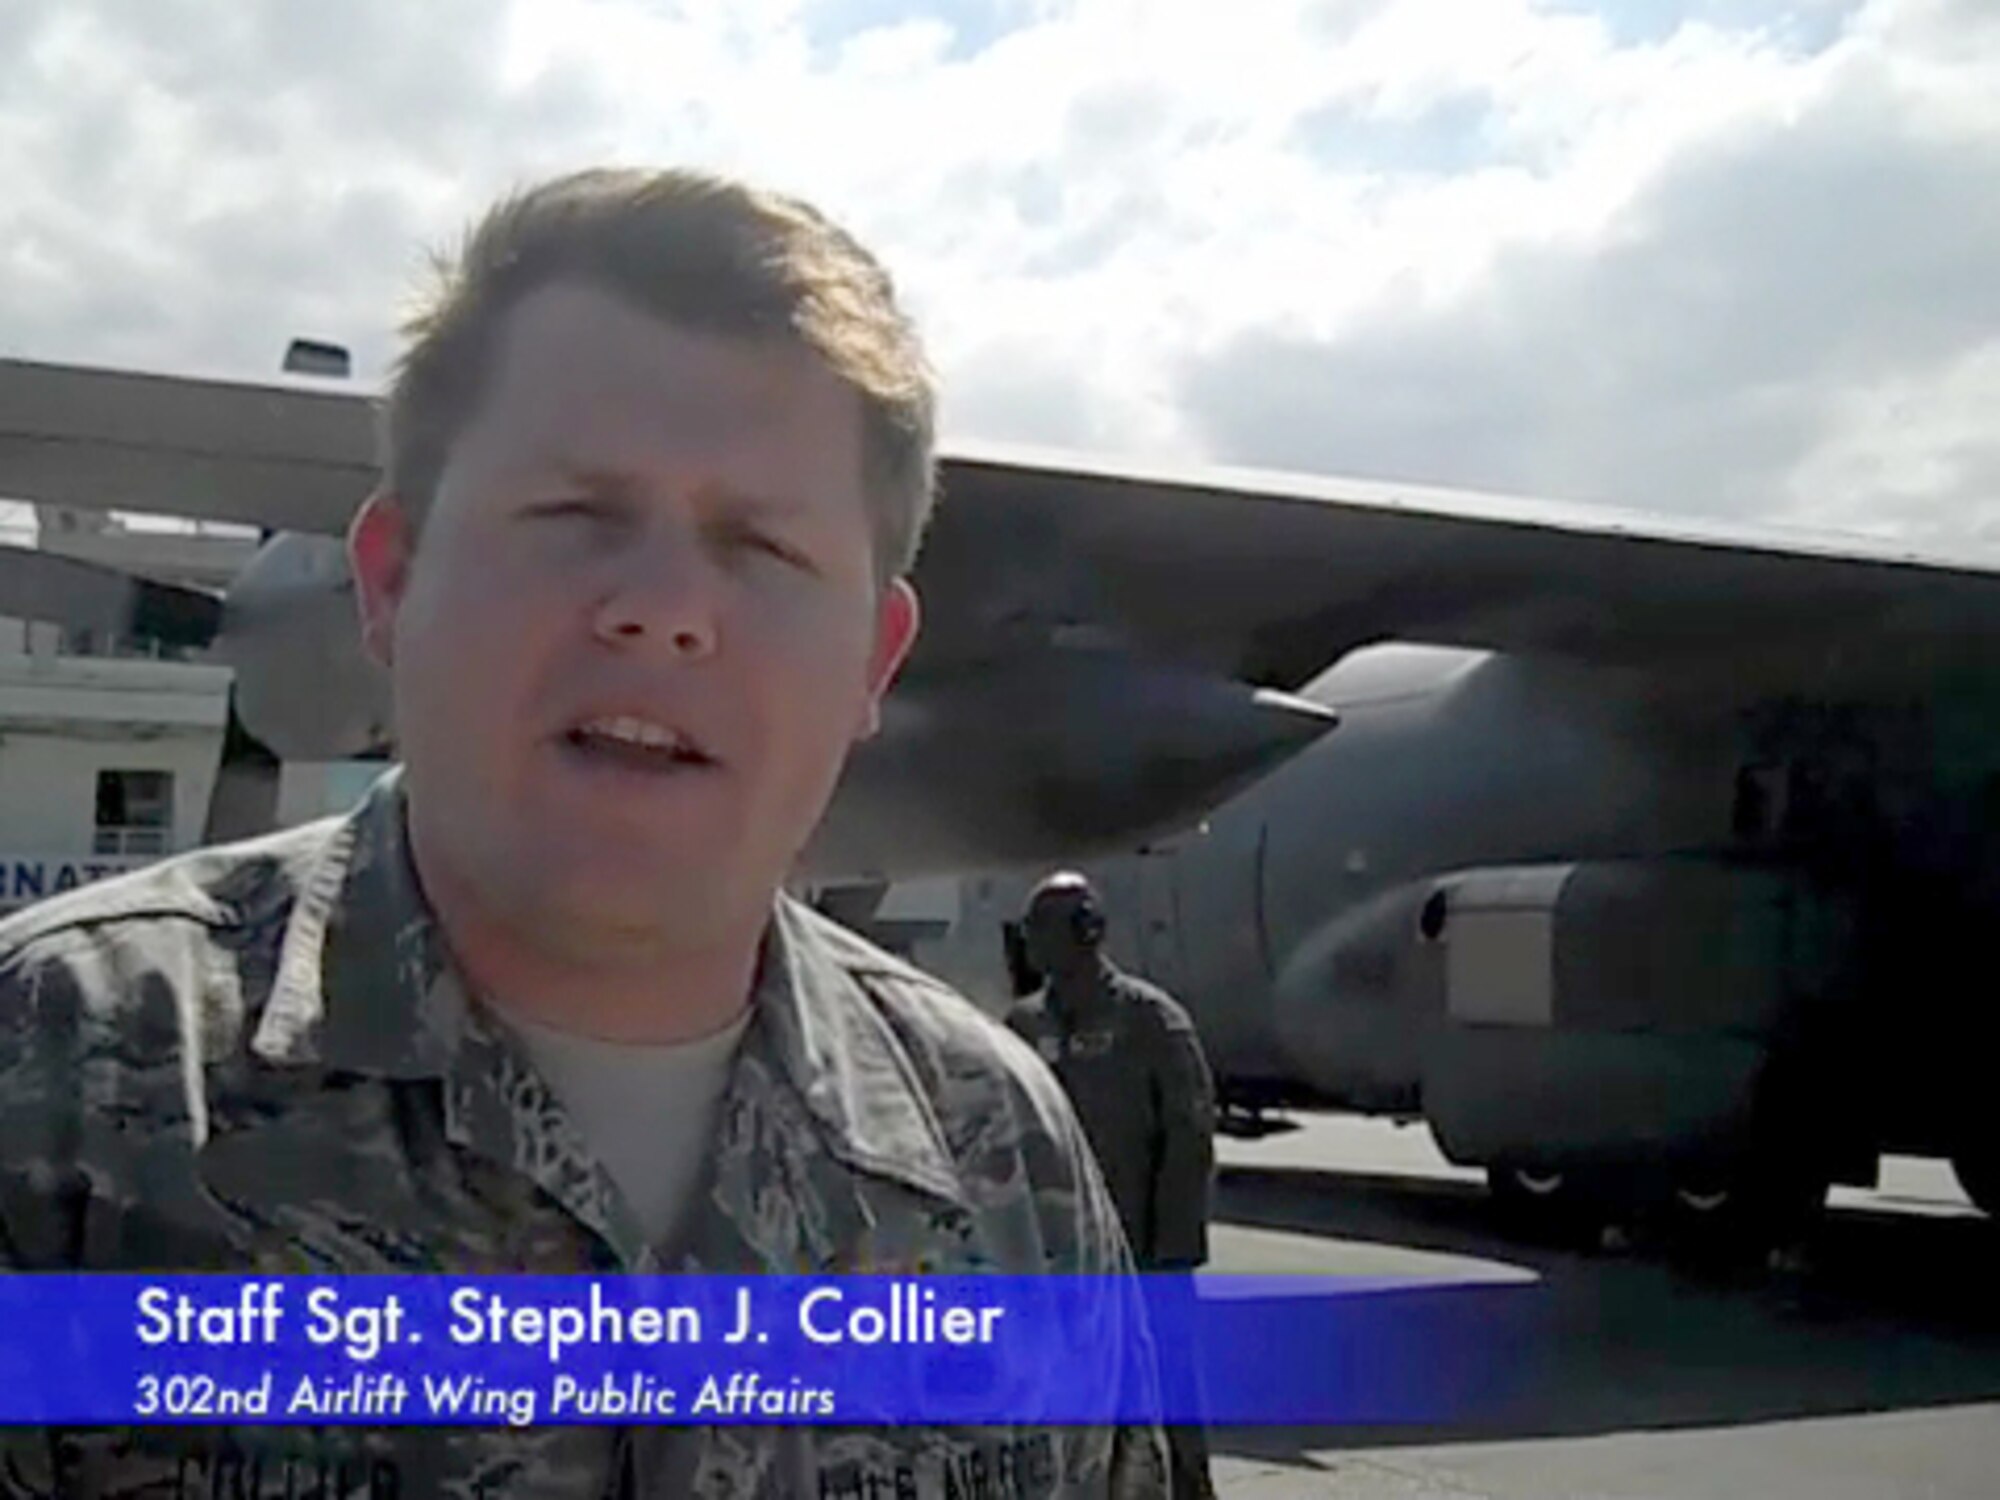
{"x": 1874, "y": 1373}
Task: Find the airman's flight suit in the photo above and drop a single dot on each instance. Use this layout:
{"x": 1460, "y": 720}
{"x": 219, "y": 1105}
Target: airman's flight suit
{"x": 1127, "y": 1055}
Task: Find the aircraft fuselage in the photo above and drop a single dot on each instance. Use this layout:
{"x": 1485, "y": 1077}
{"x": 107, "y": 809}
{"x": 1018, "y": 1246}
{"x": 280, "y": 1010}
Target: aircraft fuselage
{"x": 1569, "y": 915}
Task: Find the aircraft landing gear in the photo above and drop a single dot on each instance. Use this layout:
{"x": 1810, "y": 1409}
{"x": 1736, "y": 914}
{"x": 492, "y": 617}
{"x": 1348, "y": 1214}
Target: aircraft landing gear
{"x": 1748, "y": 1205}
{"x": 1517, "y": 1184}
{"x": 1538, "y": 1199}
{"x": 1726, "y": 1211}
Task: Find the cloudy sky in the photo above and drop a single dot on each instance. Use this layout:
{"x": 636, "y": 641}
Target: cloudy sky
{"x": 1715, "y": 257}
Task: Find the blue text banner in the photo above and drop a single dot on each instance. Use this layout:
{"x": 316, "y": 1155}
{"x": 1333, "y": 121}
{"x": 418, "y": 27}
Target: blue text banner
{"x": 855, "y": 1350}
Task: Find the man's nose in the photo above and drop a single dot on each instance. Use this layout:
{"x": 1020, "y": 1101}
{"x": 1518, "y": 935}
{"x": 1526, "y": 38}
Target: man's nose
{"x": 660, "y": 592}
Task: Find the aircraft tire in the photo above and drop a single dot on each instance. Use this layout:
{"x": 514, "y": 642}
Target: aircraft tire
{"x": 1748, "y": 1205}
{"x": 1525, "y": 1183}
{"x": 1534, "y": 1198}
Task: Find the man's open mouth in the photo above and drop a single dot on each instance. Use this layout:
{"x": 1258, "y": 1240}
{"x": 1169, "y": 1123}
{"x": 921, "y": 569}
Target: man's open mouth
{"x": 640, "y": 744}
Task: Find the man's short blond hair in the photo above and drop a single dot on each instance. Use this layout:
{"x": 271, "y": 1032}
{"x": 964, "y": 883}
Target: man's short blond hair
{"x": 700, "y": 252}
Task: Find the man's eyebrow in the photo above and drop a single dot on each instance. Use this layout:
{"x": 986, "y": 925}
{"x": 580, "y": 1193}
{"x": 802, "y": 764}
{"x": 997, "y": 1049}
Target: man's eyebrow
{"x": 716, "y": 493}
{"x": 751, "y": 503}
{"x": 594, "y": 476}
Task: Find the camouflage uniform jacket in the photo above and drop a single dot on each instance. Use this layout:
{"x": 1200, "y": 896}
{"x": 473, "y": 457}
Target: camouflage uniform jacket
{"x": 256, "y": 1059}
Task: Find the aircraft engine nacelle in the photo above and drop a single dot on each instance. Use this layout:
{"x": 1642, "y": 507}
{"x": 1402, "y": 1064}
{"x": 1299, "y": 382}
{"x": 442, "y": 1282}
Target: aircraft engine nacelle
{"x": 1356, "y": 1002}
{"x": 1613, "y": 1011}
{"x": 1569, "y": 1012}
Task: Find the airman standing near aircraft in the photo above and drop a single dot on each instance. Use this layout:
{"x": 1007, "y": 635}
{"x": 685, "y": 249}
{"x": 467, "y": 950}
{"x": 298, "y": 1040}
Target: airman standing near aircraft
{"x": 658, "y": 457}
{"x": 1127, "y": 1055}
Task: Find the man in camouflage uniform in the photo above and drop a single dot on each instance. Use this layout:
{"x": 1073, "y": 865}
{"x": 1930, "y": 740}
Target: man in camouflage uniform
{"x": 1129, "y": 1059}
{"x": 658, "y": 459}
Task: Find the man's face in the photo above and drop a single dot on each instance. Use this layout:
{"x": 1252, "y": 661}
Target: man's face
{"x": 641, "y": 629}
{"x": 1049, "y": 933}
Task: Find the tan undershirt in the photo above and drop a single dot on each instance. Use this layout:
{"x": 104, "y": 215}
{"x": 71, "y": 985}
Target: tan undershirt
{"x": 646, "y": 1111}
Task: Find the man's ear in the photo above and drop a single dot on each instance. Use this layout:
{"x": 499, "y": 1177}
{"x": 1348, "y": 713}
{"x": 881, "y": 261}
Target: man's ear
{"x": 380, "y": 545}
{"x": 897, "y": 616}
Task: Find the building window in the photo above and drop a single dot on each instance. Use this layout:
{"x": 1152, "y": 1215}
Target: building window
{"x": 135, "y": 812}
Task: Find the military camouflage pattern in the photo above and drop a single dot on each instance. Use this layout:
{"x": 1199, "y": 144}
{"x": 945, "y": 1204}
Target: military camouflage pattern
{"x": 257, "y": 1059}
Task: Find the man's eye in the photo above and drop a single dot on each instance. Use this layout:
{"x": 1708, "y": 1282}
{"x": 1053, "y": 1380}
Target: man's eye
{"x": 566, "y": 509}
{"x": 778, "y": 549}
{"x": 764, "y": 542}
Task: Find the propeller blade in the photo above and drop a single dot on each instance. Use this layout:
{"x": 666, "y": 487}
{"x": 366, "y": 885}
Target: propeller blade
{"x": 57, "y": 590}
{"x": 304, "y": 686}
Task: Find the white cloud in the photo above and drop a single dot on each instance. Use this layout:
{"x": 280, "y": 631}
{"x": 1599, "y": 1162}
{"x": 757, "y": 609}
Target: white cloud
{"x": 1916, "y": 455}
{"x": 1685, "y": 263}
{"x": 1825, "y": 228}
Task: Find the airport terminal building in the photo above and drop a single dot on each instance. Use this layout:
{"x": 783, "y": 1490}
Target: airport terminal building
{"x": 110, "y": 746}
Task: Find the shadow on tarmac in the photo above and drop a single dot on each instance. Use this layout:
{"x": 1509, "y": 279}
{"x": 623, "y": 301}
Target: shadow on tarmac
{"x": 1897, "y": 1311}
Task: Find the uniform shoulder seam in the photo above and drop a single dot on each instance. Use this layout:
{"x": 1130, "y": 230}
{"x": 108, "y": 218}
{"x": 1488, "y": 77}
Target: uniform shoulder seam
{"x": 859, "y": 957}
{"x": 173, "y": 888}
{"x": 1162, "y": 1010}
{"x": 27, "y": 928}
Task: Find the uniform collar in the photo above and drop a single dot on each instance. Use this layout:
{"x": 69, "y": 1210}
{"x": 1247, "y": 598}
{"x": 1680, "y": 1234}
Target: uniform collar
{"x": 364, "y": 981}
{"x": 1090, "y": 1000}
{"x": 832, "y": 1041}
{"x": 365, "y": 986}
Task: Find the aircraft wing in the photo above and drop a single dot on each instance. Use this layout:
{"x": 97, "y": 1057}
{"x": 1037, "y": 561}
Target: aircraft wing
{"x": 1271, "y": 578}
{"x": 1107, "y": 652}
{"x": 1263, "y": 577}
{"x": 285, "y": 457}
{"x": 1041, "y": 752}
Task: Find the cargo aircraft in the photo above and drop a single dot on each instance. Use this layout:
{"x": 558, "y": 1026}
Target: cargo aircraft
{"x": 1630, "y": 853}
